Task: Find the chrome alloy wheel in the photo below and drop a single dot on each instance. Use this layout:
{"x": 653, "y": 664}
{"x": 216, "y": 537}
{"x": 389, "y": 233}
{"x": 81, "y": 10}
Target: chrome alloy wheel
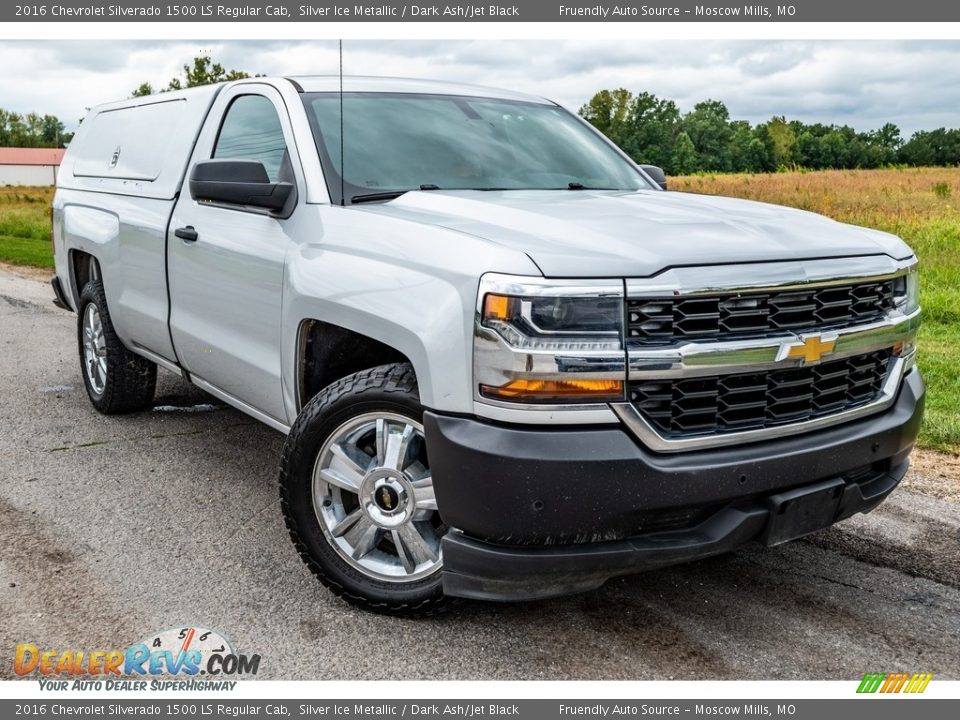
{"x": 373, "y": 496}
{"x": 94, "y": 349}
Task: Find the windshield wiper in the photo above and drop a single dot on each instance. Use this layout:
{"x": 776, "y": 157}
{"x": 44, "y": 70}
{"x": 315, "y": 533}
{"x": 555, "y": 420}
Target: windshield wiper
{"x": 373, "y": 197}
{"x": 581, "y": 186}
{"x": 388, "y": 194}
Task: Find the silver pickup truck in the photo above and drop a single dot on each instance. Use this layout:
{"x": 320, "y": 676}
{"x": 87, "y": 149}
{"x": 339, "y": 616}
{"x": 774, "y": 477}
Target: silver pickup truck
{"x": 508, "y": 364}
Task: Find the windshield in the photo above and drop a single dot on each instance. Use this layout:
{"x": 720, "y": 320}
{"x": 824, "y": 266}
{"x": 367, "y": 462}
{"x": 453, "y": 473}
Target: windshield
{"x": 397, "y": 142}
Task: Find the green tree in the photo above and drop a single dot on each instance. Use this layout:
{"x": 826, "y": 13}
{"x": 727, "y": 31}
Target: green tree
{"x": 684, "y": 159}
{"x": 708, "y": 126}
{"x": 53, "y": 132}
{"x": 32, "y": 130}
{"x": 833, "y": 147}
{"x": 17, "y": 134}
{"x": 609, "y": 112}
{"x": 652, "y": 126}
{"x": 205, "y": 72}
{"x": 889, "y": 140}
{"x": 808, "y": 150}
{"x": 741, "y": 151}
{"x": 760, "y": 150}
{"x": 202, "y": 71}
{"x": 783, "y": 140}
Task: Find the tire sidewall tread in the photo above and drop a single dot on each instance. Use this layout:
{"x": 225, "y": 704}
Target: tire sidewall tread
{"x": 390, "y": 388}
{"x": 131, "y": 380}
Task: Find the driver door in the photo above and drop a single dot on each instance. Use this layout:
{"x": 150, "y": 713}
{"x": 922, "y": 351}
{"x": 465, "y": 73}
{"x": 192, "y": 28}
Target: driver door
{"x": 226, "y": 265}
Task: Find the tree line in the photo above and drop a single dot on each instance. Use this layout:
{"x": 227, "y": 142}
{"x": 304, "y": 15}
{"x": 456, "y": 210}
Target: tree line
{"x": 653, "y": 131}
{"x": 32, "y": 130}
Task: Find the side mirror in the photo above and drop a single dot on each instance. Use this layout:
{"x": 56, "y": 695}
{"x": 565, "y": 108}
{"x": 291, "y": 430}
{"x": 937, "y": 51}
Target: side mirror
{"x": 238, "y": 182}
{"x": 656, "y": 174}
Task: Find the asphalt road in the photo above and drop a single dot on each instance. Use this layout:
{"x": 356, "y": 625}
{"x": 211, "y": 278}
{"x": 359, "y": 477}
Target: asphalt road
{"x": 111, "y": 528}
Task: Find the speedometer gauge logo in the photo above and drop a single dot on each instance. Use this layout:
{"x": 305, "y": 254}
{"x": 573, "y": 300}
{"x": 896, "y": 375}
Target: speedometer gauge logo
{"x": 202, "y": 644}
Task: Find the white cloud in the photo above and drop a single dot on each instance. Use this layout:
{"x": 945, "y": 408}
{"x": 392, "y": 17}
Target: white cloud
{"x": 861, "y": 83}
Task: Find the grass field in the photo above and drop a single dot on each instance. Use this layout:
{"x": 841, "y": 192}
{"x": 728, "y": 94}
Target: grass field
{"x": 920, "y": 205}
{"x": 25, "y": 226}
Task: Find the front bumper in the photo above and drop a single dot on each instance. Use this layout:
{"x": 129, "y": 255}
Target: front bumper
{"x": 546, "y": 512}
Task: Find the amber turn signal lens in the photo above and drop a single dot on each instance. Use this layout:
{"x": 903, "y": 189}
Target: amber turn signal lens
{"x": 522, "y": 389}
{"x": 497, "y": 307}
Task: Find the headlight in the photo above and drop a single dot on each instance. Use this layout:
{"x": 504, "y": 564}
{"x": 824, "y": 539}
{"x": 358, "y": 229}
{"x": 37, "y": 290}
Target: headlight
{"x": 555, "y": 322}
{"x": 906, "y": 292}
{"x": 542, "y": 341}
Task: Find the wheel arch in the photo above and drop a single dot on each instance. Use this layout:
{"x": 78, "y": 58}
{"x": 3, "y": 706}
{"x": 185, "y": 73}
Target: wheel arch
{"x": 327, "y": 352}
{"x": 83, "y": 267}
{"x": 393, "y": 317}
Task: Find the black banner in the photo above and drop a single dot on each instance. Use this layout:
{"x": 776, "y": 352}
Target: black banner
{"x": 875, "y": 708}
{"x": 517, "y": 11}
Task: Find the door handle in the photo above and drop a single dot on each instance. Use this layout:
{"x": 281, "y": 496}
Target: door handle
{"x": 187, "y": 233}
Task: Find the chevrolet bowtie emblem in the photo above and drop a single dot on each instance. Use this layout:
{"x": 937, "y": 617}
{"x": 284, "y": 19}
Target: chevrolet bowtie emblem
{"x": 810, "y": 349}
{"x": 386, "y": 499}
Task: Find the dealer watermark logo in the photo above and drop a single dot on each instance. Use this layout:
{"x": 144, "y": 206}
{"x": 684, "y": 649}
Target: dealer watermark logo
{"x": 900, "y": 682}
{"x": 186, "y": 653}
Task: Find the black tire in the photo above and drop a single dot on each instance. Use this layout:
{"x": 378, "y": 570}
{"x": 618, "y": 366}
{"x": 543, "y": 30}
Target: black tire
{"x": 388, "y": 388}
{"x": 131, "y": 380}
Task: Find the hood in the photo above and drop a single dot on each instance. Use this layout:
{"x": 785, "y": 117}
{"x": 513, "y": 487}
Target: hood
{"x": 587, "y": 233}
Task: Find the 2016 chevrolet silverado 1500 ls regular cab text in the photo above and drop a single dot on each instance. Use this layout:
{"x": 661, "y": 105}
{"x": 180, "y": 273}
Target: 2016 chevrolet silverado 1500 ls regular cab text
{"x": 509, "y": 365}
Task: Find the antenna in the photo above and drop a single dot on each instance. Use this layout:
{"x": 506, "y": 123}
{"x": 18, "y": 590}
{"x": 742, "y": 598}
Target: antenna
{"x": 343, "y": 199}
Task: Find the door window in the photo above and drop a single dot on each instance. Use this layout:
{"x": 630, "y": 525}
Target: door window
{"x": 251, "y": 130}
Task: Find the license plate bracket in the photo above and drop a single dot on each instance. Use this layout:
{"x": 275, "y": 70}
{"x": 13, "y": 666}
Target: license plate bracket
{"x": 799, "y": 512}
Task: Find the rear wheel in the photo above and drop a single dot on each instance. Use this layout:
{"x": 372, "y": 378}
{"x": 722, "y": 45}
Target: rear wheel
{"x": 358, "y": 497}
{"x": 117, "y": 380}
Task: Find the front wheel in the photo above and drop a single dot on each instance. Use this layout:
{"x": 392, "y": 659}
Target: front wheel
{"x": 357, "y": 493}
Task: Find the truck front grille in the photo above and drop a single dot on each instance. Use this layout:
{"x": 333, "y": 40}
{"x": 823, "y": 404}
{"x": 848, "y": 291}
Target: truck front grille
{"x": 746, "y": 401}
{"x": 665, "y": 320}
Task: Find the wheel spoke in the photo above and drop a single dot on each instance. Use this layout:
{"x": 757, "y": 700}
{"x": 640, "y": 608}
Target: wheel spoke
{"x": 406, "y": 559}
{"x": 348, "y": 522}
{"x": 383, "y": 429}
{"x": 342, "y": 481}
{"x": 397, "y": 445}
{"x": 419, "y": 548}
{"x": 349, "y": 462}
{"x": 424, "y": 496}
{"x": 368, "y": 535}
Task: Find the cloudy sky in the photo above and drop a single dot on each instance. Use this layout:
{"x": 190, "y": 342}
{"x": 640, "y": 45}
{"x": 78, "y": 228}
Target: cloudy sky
{"x": 915, "y": 84}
